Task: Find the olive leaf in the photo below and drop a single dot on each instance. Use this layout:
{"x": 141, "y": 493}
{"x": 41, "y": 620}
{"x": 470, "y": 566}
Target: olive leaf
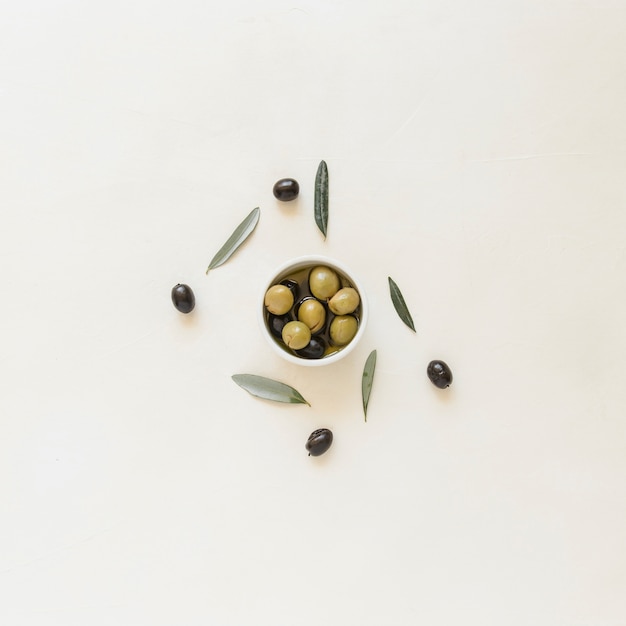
{"x": 240, "y": 234}
{"x": 367, "y": 380}
{"x": 321, "y": 198}
{"x": 400, "y": 304}
{"x": 268, "y": 389}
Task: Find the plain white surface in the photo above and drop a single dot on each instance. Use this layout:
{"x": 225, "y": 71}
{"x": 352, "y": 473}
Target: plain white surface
{"x": 477, "y": 154}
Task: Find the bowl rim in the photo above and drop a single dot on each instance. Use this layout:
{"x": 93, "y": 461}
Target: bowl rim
{"x": 298, "y": 263}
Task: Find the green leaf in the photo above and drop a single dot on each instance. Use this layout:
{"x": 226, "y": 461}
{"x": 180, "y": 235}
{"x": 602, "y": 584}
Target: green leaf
{"x": 321, "y": 198}
{"x": 368, "y": 379}
{"x": 240, "y": 234}
{"x": 400, "y": 304}
{"x": 268, "y": 389}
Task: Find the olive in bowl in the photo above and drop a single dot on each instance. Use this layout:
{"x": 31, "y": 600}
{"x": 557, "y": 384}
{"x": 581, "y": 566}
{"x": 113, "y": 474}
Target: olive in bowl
{"x": 328, "y": 316}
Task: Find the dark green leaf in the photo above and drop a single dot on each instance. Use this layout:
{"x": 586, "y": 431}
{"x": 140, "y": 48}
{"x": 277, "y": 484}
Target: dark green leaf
{"x": 368, "y": 379}
{"x": 240, "y": 234}
{"x": 268, "y": 389}
{"x": 400, "y": 304}
{"x": 321, "y": 198}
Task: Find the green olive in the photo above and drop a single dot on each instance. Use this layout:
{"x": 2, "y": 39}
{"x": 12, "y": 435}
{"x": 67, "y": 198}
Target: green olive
{"x": 323, "y": 282}
{"x": 342, "y": 329}
{"x": 313, "y": 314}
{"x": 345, "y": 301}
{"x": 296, "y": 335}
{"x": 278, "y": 299}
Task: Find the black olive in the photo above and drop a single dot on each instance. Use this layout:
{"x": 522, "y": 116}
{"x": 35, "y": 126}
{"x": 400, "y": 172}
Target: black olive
{"x": 276, "y": 324}
{"x": 319, "y": 441}
{"x": 439, "y": 373}
{"x": 293, "y": 287}
{"x": 314, "y": 350}
{"x": 183, "y": 298}
{"x": 286, "y": 189}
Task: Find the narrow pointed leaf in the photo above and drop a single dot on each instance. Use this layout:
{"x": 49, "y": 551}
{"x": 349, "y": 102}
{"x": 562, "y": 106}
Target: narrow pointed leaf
{"x": 240, "y": 234}
{"x": 321, "y": 198}
{"x": 368, "y": 379}
{"x": 268, "y": 389}
{"x": 400, "y": 304}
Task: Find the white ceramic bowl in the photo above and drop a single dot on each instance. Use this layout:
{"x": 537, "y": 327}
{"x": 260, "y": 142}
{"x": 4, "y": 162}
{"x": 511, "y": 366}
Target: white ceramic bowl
{"x": 291, "y": 267}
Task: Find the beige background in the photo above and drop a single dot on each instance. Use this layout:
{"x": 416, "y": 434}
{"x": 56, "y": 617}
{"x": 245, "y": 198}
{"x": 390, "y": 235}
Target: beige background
{"x": 477, "y": 154}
